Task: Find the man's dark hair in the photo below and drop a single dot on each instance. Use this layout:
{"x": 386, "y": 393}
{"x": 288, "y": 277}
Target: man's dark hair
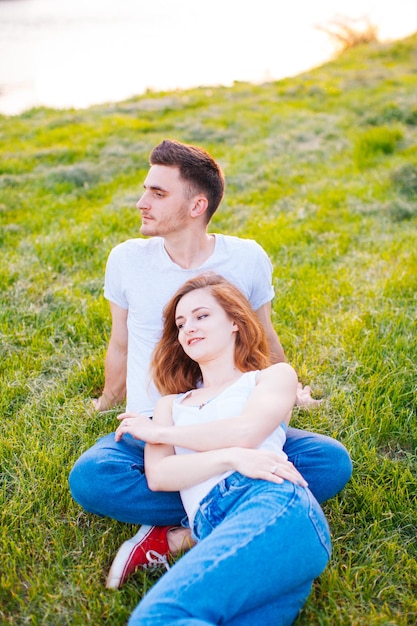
{"x": 196, "y": 166}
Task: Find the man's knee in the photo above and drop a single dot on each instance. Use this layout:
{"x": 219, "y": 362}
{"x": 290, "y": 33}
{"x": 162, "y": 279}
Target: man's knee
{"x": 83, "y": 481}
{"x": 323, "y": 461}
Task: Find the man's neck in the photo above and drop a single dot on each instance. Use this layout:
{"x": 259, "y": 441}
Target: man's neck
{"x": 190, "y": 250}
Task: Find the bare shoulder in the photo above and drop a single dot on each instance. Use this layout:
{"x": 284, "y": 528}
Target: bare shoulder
{"x": 278, "y": 374}
{"x": 165, "y": 402}
{"x": 163, "y": 410}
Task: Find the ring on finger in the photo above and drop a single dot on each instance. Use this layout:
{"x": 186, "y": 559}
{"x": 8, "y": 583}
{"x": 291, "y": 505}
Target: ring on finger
{"x": 274, "y": 469}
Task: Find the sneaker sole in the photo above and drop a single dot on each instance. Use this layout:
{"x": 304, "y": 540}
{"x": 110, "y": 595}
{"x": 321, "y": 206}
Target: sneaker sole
{"x": 123, "y": 558}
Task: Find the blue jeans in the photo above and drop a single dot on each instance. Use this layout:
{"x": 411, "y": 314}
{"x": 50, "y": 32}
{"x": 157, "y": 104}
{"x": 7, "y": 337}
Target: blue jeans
{"x": 109, "y": 479}
{"x": 260, "y": 547}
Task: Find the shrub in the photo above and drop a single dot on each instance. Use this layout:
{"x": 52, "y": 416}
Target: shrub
{"x": 348, "y": 32}
{"x": 405, "y": 180}
{"x": 374, "y": 142}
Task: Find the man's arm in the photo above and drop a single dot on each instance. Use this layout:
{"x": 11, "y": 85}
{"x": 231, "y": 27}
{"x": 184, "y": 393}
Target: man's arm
{"x": 304, "y": 398}
{"x": 115, "y": 369}
{"x": 277, "y": 351}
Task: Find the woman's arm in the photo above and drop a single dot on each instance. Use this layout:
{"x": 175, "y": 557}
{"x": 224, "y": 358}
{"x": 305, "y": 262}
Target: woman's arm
{"x": 166, "y": 471}
{"x": 269, "y": 404}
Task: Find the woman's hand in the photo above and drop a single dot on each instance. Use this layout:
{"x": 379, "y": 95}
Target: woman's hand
{"x": 266, "y": 465}
{"x": 139, "y": 426}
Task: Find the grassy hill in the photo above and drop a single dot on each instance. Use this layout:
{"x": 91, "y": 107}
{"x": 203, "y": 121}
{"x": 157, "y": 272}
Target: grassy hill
{"x": 322, "y": 170}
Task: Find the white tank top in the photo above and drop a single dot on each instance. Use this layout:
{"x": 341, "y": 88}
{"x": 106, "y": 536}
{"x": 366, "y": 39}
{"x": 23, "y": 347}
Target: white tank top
{"x": 229, "y": 403}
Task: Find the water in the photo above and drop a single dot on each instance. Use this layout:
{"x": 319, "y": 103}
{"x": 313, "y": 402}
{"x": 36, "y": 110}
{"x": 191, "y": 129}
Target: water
{"x": 74, "y": 53}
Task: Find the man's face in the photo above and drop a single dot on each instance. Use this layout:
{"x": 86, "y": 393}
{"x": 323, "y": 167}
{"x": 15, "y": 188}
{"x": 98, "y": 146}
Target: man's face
{"x": 164, "y": 205}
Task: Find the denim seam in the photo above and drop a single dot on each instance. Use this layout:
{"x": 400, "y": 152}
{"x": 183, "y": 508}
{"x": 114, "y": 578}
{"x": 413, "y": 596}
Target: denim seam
{"x": 315, "y": 522}
{"x": 233, "y": 549}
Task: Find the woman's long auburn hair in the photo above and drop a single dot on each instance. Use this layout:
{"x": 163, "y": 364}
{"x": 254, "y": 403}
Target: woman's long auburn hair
{"x": 173, "y": 371}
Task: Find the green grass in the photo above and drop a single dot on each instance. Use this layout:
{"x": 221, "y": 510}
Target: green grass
{"x": 321, "y": 169}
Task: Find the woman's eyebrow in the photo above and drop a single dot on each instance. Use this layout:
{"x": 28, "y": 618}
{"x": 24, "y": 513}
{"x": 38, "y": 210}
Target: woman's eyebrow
{"x": 198, "y": 308}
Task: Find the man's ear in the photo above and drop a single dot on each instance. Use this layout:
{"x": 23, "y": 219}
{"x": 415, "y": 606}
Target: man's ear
{"x": 199, "y": 206}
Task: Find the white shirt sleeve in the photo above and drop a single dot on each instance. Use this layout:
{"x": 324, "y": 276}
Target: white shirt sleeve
{"x": 113, "y": 281}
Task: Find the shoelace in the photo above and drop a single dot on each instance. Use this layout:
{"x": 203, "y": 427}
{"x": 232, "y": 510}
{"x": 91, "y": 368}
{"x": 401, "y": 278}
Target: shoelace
{"x": 155, "y": 559}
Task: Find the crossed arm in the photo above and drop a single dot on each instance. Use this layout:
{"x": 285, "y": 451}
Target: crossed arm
{"x": 228, "y": 444}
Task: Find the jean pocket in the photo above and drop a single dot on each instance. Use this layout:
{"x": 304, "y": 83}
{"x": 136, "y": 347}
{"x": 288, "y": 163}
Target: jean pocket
{"x": 214, "y": 507}
{"x": 236, "y": 482}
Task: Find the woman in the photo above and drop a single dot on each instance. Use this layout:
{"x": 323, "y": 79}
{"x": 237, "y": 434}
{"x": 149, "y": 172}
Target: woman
{"x": 261, "y": 536}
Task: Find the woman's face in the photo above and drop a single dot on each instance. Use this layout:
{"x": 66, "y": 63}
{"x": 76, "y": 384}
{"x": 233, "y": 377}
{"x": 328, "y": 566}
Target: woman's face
{"x": 205, "y": 331}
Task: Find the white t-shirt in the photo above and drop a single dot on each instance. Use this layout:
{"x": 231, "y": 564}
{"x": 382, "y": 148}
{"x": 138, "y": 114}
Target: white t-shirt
{"x": 141, "y": 277}
{"x": 229, "y": 403}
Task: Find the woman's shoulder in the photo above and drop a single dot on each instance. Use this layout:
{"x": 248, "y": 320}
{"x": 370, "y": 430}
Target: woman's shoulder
{"x": 277, "y": 372}
{"x": 167, "y": 401}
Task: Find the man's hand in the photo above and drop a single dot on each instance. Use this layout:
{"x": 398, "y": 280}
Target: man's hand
{"x": 103, "y": 403}
{"x": 304, "y": 398}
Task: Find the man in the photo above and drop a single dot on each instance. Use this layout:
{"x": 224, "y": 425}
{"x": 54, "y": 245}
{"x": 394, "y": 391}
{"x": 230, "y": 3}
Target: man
{"x": 182, "y": 190}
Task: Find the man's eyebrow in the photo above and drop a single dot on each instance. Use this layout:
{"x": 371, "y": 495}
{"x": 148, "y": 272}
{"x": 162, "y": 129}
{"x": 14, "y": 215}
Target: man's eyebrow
{"x": 154, "y": 188}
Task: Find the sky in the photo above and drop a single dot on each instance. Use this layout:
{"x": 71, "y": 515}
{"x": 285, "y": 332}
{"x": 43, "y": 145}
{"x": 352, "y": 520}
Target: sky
{"x": 80, "y": 52}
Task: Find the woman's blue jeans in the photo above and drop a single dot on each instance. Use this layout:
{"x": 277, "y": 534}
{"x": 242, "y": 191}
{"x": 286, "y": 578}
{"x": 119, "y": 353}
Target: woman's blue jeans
{"x": 260, "y": 547}
{"x": 109, "y": 479}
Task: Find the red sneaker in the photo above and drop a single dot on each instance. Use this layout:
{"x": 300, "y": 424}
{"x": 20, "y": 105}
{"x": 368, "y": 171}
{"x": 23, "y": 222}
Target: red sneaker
{"x": 148, "y": 548}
